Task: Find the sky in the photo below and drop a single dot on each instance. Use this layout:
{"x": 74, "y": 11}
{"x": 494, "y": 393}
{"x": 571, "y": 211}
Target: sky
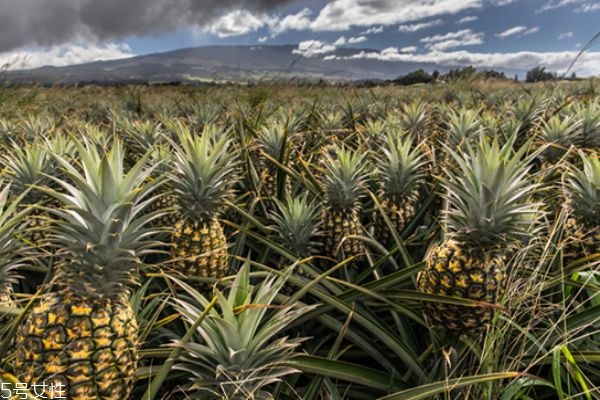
{"x": 515, "y": 34}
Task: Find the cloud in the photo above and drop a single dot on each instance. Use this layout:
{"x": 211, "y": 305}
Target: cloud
{"x": 299, "y": 21}
{"x": 587, "y": 7}
{"x": 587, "y": 65}
{"x": 517, "y": 30}
{"x": 464, "y": 37}
{"x": 372, "y": 30}
{"x": 341, "y": 41}
{"x": 55, "y": 22}
{"x": 469, "y": 18}
{"x": 311, "y": 48}
{"x": 565, "y": 35}
{"x": 238, "y": 22}
{"x": 64, "y": 55}
{"x": 408, "y": 49}
{"x": 341, "y": 15}
{"x": 511, "y": 32}
{"x": 553, "y": 4}
{"x": 420, "y": 26}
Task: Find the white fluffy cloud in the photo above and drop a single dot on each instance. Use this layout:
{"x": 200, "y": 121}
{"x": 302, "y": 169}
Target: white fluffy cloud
{"x": 408, "y": 49}
{"x": 372, "y": 30}
{"x": 587, "y": 65}
{"x": 464, "y": 37}
{"x": 420, "y": 26}
{"x": 299, "y": 21}
{"x": 311, "y": 48}
{"x": 517, "y": 30}
{"x": 238, "y": 22}
{"x": 64, "y": 55}
{"x": 340, "y": 15}
{"x": 342, "y": 41}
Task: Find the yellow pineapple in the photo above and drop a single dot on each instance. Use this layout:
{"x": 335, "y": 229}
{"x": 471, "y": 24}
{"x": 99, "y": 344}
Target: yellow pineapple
{"x": 81, "y": 339}
{"x": 487, "y": 213}
{"x": 202, "y": 178}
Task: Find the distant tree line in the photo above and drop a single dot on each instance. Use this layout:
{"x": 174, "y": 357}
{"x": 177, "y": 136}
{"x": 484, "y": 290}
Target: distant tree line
{"x": 536, "y": 74}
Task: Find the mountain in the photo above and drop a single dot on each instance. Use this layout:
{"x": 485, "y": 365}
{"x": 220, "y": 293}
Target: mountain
{"x": 223, "y": 63}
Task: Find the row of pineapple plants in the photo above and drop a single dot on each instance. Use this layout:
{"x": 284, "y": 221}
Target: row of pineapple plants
{"x": 352, "y": 207}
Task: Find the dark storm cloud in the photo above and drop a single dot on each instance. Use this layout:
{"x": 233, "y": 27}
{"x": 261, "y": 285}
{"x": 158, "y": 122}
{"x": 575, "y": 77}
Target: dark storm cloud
{"x": 48, "y": 22}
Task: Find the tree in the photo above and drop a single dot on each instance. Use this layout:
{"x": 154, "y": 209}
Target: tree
{"x": 418, "y": 76}
{"x": 539, "y": 74}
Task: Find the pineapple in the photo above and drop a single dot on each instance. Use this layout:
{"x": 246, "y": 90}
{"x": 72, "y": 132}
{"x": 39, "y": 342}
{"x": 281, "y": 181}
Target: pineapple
{"x": 203, "y": 175}
{"x": 297, "y": 226}
{"x": 558, "y": 135}
{"x": 81, "y": 339}
{"x": 344, "y": 181}
{"x": 402, "y": 174}
{"x": 582, "y": 191}
{"x": 487, "y": 214}
{"x": 238, "y": 350}
{"x": 10, "y": 220}
{"x": 275, "y": 141}
{"x": 26, "y": 167}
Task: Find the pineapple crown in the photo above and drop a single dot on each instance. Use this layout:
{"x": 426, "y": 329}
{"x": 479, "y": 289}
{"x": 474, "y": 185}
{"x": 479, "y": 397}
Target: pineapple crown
{"x": 297, "y": 224}
{"x": 204, "y": 171}
{"x": 10, "y": 221}
{"x": 464, "y": 127}
{"x": 415, "y": 118}
{"x": 583, "y": 190}
{"x": 238, "y": 348}
{"x": 560, "y": 134}
{"x": 274, "y": 139}
{"x": 102, "y": 229}
{"x": 26, "y": 166}
{"x": 401, "y": 166}
{"x": 345, "y": 177}
{"x": 487, "y": 196}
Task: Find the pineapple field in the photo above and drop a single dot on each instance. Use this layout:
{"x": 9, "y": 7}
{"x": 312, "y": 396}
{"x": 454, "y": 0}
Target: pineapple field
{"x": 301, "y": 242}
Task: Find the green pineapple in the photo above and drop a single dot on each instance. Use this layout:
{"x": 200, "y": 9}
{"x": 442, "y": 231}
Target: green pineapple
{"x": 275, "y": 141}
{"x": 29, "y": 167}
{"x": 203, "y": 175}
{"x": 402, "y": 171}
{"x": 582, "y": 192}
{"x": 344, "y": 181}
{"x": 487, "y": 214}
{"x": 81, "y": 339}
{"x": 297, "y": 228}
{"x": 557, "y": 135}
{"x": 10, "y": 221}
{"x": 238, "y": 350}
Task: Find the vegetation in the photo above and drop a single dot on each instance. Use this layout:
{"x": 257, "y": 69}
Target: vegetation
{"x": 300, "y": 242}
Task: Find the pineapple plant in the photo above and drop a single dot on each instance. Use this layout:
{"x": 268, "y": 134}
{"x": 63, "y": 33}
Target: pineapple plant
{"x": 487, "y": 214}
{"x": 10, "y": 220}
{"x": 237, "y": 352}
{"x": 296, "y": 225}
{"x": 344, "y": 181}
{"x": 589, "y": 115}
{"x": 27, "y": 167}
{"x": 558, "y": 134}
{"x": 582, "y": 193}
{"x": 81, "y": 339}
{"x": 401, "y": 170}
{"x": 203, "y": 175}
{"x": 274, "y": 140}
